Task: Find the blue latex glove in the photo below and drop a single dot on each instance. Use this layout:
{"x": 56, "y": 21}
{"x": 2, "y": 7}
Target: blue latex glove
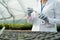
{"x": 42, "y": 16}
{"x": 30, "y": 10}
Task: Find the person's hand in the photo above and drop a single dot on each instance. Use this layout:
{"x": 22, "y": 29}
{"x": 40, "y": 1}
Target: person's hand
{"x": 29, "y": 10}
{"x": 42, "y": 16}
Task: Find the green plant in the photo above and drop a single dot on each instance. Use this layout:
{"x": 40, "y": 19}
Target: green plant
{"x": 17, "y": 26}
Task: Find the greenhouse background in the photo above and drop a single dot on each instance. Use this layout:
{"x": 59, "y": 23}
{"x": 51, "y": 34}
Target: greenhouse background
{"x": 14, "y": 25}
{"x": 14, "y": 12}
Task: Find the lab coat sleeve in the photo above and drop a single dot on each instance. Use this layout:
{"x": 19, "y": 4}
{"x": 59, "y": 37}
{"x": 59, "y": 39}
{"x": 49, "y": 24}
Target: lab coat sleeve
{"x": 54, "y": 21}
{"x": 57, "y": 11}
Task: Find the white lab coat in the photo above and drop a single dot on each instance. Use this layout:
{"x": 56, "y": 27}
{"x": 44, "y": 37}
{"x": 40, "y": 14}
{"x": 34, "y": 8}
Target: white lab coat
{"x": 48, "y": 10}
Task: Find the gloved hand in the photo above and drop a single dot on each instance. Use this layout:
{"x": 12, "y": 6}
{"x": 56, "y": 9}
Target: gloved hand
{"x": 42, "y": 16}
{"x": 30, "y": 10}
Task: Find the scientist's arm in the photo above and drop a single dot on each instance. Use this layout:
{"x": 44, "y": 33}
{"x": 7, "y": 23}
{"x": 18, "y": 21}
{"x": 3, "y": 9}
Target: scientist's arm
{"x": 31, "y": 16}
{"x": 51, "y": 20}
{"x": 56, "y": 12}
{"x": 29, "y": 19}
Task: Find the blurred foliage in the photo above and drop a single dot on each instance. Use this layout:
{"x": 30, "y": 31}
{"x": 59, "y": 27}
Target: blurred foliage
{"x": 17, "y": 26}
{"x": 20, "y": 26}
